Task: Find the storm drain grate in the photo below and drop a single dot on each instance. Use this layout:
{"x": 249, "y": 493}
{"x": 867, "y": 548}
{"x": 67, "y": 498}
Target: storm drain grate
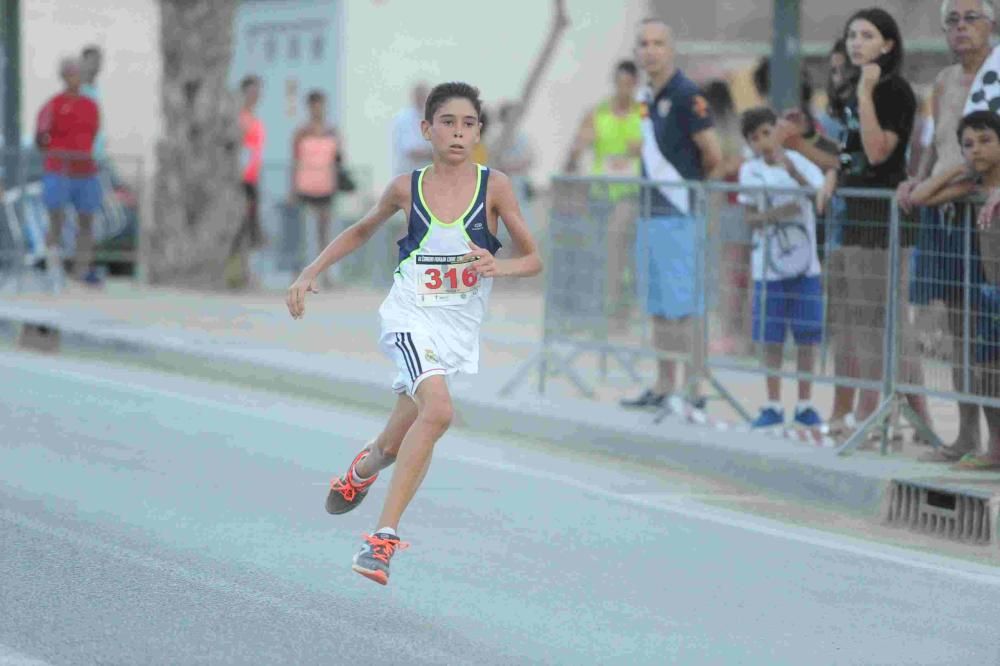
{"x": 942, "y": 512}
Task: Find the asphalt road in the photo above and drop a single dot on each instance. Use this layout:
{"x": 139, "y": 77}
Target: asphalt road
{"x": 151, "y": 519}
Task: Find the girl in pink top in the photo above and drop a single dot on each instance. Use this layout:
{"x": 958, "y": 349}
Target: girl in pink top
{"x": 315, "y": 153}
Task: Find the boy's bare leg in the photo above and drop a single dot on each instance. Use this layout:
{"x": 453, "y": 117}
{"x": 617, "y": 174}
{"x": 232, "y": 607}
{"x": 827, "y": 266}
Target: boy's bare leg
{"x": 968, "y": 412}
{"x": 806, "y": 363}
{"x": 382, "y": 452}
{"x": 434, "y": 414}
{"x": 773, "y": 354}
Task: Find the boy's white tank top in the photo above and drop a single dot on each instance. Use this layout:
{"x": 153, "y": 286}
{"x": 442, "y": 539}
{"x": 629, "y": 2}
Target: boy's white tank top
{"x": 433, "y": 292}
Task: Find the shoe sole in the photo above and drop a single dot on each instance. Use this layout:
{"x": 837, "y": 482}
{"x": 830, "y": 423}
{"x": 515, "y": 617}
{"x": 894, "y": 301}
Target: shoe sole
{"x": 379, "y": 577}
{"x": 333, "y": 510}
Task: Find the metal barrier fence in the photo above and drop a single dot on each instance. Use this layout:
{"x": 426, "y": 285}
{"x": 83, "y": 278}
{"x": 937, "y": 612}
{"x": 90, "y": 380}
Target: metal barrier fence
{"x": 33, "y": 185}
{"x": 850, "y": 287}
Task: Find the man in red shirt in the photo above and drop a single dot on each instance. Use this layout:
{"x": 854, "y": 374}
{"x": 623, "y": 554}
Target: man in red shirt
{"x": 66, "y": 127}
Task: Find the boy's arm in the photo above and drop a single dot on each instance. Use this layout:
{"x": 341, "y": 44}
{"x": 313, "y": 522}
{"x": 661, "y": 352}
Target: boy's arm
{"x": 528, "y": 262}
{"x": 948, "y": 185}
{"x": 394, "y": 198}
{"x": 755, "y": 217}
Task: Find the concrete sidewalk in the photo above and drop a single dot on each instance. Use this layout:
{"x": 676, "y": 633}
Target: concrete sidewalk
{"x": 332, "y": 353}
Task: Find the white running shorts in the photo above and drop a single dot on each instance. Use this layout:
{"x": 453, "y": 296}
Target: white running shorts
{"x": 416, "y": 357}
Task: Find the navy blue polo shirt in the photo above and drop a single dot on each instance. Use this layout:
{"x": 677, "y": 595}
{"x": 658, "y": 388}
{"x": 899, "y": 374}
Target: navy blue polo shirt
{"x": 678, "y": 112}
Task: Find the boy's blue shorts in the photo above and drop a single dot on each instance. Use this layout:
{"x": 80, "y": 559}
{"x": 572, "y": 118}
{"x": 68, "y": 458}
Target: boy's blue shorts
{"x": 795, "y": 303}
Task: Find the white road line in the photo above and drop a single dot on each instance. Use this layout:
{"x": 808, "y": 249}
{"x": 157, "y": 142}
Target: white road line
{"x": 681, "y": 507}
{"x": 9, "y": 657}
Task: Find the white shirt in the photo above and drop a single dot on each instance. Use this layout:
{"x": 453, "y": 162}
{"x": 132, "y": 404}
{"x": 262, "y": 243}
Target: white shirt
{"x": 786, "y": 249}
{"x": 406, "y": 137}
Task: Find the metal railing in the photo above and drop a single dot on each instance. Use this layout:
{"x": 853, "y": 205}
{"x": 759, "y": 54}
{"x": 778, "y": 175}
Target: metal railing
{"x": 874, "y": 263}
{"x": 35, "y": 184}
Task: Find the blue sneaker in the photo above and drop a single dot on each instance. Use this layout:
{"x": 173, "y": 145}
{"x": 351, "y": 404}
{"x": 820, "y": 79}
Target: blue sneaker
{"x": 769, "y": 417}
{"x": 807, "y": 417}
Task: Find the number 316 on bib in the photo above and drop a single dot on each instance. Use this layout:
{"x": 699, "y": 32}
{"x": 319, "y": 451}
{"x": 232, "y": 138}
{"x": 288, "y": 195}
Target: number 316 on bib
{"x": 445, "y": 280}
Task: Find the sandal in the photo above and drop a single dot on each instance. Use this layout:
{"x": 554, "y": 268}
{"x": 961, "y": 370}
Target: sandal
{"x": 944, "y": 454}
{"x": 970, "y": 461}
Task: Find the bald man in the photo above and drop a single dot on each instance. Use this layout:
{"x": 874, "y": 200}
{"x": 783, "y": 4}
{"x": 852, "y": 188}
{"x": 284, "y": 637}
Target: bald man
{"x": 66, "y": 127}
{"x": 679, "y": 143}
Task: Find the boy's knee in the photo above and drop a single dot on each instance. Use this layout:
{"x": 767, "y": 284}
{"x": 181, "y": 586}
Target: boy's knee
{"x": 438, "y": 415}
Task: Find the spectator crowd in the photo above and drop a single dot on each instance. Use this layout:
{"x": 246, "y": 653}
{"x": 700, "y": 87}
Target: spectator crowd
{"x": 813, "y": 266}
{"x": 816, "y": 199}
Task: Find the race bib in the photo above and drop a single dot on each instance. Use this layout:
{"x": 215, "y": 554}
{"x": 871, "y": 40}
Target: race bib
{"x": 445, "y": 280}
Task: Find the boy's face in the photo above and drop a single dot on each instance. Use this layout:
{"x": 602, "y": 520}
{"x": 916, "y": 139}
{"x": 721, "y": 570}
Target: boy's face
{"x": 980, "y": 148}
{"x": 453, "y": 131}
{"x": 764, "y": 142}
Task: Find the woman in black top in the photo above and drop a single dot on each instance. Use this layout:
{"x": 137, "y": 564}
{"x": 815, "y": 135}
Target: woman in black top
{"x": 878, "y": 121}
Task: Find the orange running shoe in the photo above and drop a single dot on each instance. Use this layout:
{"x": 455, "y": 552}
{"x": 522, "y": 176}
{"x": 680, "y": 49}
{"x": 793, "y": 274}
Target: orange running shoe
{"x": 344, "y": 493}
{"x": 372, "y": 561}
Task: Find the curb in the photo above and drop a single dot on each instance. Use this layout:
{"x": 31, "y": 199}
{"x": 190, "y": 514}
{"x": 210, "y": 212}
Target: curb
{"x": 807, "y": 474}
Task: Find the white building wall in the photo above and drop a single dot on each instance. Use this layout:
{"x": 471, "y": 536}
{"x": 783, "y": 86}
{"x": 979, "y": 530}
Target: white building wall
{"x": 390, "y": 44}
{"x": 128, "y": 31}
{"x": 387, "y": 46}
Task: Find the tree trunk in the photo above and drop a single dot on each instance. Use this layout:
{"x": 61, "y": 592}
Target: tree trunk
{"x": 197, "y": 201}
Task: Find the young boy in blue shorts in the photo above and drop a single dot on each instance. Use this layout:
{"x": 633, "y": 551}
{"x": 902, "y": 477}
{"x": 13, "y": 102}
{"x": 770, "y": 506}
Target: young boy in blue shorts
{"x": 431, "y": 318}
{"x": 785, "y": 266}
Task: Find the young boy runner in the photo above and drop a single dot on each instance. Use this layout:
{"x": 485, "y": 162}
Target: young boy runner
{"x": 431, "y": 317}
{"x": 786, "y": 270}
{"x": 979, "y": 135}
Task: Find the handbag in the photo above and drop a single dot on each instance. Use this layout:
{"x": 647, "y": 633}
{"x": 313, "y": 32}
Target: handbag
{"x": 345, "y": 181}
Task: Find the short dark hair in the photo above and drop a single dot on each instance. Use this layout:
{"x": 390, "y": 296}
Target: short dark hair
{"x": 719, "y": 98}
{"x": 752, "y": 119}
{"x": 979, "y": 120}
{"x": 248, "y": 80}
{"x": 315, "y": 96}
{"x": 90, "y": 49}
{"x": 442, "y": 92}
{"x": 627, "y": 67}
{"x": 762, "y": 82}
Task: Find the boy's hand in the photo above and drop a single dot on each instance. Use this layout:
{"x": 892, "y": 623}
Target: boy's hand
{"x": 483, "y": 262}
{"x": 989, "y": 210}
{"x": 903, "y": 193}
{"x": 296, "y": 297}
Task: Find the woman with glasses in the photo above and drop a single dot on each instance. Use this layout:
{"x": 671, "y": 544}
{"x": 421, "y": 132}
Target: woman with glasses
{"x": 939, "y": 266}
